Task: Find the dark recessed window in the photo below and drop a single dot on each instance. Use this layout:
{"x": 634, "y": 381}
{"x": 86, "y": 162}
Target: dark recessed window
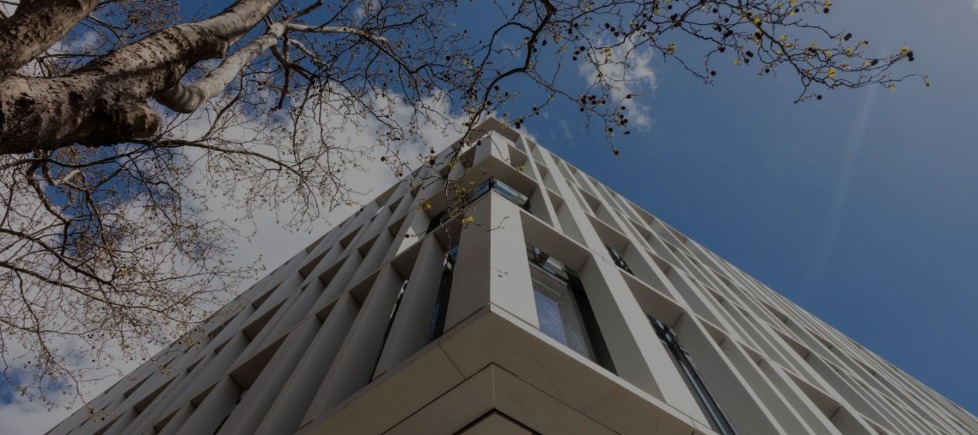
{"x": 685, "y": 366}
{"x": 618, "y": 259}
{"x": 436, "y": 326}
{"x": 437, "y": 220}
{"x": 397, "y": 305}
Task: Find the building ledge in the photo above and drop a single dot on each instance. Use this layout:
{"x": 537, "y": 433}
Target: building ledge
{"x": 490, "y": 367}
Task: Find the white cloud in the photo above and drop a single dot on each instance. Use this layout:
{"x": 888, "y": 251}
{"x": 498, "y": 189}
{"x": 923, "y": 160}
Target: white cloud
{"x": 27, "y": 418}
{"x": 974, "y": 4}
{"x": 23, "y": 415}
{"x": 627, "y": 69}
{"x": 267, "y": 236}
{"x": 568, "y": 136}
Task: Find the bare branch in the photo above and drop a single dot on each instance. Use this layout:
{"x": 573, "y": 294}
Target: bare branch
{"x": 335, "y": 30}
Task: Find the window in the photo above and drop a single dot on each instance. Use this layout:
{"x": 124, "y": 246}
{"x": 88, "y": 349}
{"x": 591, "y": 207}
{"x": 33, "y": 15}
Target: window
{"x": 390, "y": 323}
{"x": 511, "y": 194}
{"x": 440, "y": 310}
{"x": 397, "y": 305}
{"x": 559, "y": 314}
{"x": 481, "y": 190}
{"x": 563, "y": 309}
{"x": 437, "y": 220}
{"x": 618, "y": 259}
{"x": 682, "y": 361}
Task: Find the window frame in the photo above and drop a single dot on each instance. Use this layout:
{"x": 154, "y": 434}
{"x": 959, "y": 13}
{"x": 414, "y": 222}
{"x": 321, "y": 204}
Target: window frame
{"x": 591, "y": 330}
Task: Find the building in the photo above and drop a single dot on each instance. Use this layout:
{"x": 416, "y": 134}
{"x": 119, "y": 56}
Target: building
{"x": 544, "y": 303}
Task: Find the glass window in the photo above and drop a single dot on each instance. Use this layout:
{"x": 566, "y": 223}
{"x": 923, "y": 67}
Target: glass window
{"x": 560, "y": 317}
{"x": 478, "y": 192}
{"x": 548, "y": 310}
{"x": 511, "y": 194}
{"x": 563, "y": 309}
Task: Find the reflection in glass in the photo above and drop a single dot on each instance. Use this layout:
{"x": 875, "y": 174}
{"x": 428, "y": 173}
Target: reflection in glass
{"x": 563, "y": 309}
{"x": 560, "y": 317}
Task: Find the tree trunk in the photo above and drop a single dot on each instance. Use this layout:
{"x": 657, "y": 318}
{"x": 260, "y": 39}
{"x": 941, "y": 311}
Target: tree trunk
{"x": 104, "y": 103}
{"x": 34, "y": 27}
{"x": 187, "y": 99}
{"x": 46, "y": 114}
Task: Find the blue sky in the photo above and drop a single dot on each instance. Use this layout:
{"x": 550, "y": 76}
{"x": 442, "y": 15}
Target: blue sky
{"x": 862, "y": 208}
{"x": 7, "y": 391}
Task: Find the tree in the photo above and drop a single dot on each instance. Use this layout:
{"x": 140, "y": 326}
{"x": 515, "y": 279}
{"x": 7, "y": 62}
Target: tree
{"x": 115, "y": 113}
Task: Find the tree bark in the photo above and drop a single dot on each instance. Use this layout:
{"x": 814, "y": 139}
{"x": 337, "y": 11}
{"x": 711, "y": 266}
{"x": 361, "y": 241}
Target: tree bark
{"x": 186, "y": 99}
{"x": 47, "y": 114}
{"x": 104, "y": 103}
{"x": 35, "y": 27}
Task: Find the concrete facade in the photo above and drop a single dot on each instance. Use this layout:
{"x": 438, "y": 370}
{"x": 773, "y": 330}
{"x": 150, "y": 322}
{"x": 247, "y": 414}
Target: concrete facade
{"x": 560, "y": 308}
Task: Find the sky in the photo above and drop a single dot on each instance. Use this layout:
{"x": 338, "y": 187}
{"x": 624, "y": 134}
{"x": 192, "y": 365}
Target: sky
{"x": 862, "y": 208}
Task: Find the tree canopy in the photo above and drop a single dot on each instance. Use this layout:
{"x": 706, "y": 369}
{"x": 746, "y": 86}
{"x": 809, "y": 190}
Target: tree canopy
{"x": 119, "y": 118}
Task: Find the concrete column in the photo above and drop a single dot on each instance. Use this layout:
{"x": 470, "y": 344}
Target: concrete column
{"x": 284, "y": 291}
{"x": 797, "y": 400}
{"x": 187, "y": 385}
{"x": 499, "y": 146}
{"x": 470, "y": 285}
{"x": 249, "y": 413}
{"x": 509, "y": 268}
{"x": 288, "y": 316}
{"x": 730, "y": 390}
{"x": 356, "y": 358}
{"x": 541, "y": 206}
{"x": 337, "y": 285}
{"x": 328, "y": 260}
{"x": 433, "y": 184}
{"x": 118, "y": 426}
{"x": 285, "y": 413}
{"x": 217, "y": 405}
{"x": 238, "y": 320}
{"x": 179, "y": 418}
{"x": 409, "y": 331}
{"x": 177, "y": 383}
{"x": 413, "y": 228}
{"x": 215, "y": 369}
{"x": 492, "y": 265}
{"x": 374, "y": 256}
{"x": 406, "y": 203}
{"x": 638, "y": 354}
{"x": 284, "y": 319}
{"x": 635, "y": 349}
{"x": 776, "y": 403}
{"x": 483, "y": 149}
